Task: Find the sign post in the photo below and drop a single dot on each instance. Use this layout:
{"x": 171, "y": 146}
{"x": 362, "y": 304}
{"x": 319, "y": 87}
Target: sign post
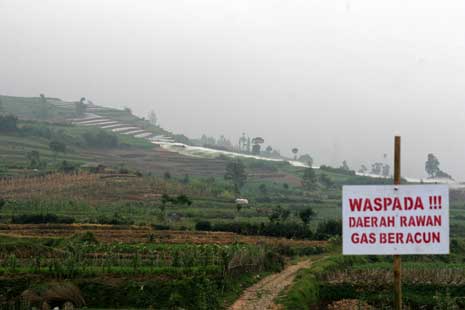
{"x": 397, "y": 260}
{"x": 395, "y": 220}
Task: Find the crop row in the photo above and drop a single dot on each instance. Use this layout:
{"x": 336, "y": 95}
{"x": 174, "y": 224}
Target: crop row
{"x": 75, "y": 259}
{"x": 381, "y": 277}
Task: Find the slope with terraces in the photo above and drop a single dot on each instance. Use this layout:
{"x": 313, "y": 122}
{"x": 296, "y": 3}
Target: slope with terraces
{"x": 117, "y": 121}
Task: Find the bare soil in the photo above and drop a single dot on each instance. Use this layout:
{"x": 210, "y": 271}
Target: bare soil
{"x": 138, "y": 234}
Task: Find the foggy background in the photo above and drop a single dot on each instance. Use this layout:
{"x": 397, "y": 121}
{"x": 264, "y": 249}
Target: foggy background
{"x": 337, "y": 79}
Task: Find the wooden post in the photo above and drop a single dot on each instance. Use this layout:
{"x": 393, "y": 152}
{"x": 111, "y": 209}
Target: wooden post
{"x": 397, "y": 260}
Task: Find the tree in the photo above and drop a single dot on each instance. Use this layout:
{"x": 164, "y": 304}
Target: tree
{"x": 376, "y": 168}
{"x": 363, "y": 169}
{"x": 186, "y": 179}
{"x": 306, "y": 158}
{"x": 432, "y": 165}
{"x": 100, "y": 138}
{"x": 345, "y": 166}
{"x": 67, "y": 167}
{"x": 244, "y": 143}
{"x": 279, "y": 215}
{"x": 263, "y": 189}
{"x": 1, "y": 105}
{"x": 57, "y": 147}
{"x": 153, "y": 118}
{"x": 268, "y": 150}
{"x": 386, "y": 170}
{"x": 34, "y": 159}
{"x": 8, "y": 123}
{"x": 256, "y": 145}
{"x": 295, "y": 151}
{"x": 309, "y": 179}
{"x": 326, "y": 181}
{"x": 80, "y": 107}
{"x": 179, "y": 200}
{"x": 256, "y": 149}
{"x": 443, "y": 175}
{"x": 433, "y": 170}
{"x": 235, "y": 172}
{"x": 41, "y": 110}
{"x": 306, "y": 215}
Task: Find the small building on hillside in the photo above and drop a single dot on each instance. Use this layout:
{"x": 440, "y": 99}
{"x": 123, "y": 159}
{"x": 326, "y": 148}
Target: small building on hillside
{"x": 93, "y": 167}
{"x": 242, "y": 201}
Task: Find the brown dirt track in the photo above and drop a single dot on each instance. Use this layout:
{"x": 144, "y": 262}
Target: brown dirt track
{"x": 261, "y": 296}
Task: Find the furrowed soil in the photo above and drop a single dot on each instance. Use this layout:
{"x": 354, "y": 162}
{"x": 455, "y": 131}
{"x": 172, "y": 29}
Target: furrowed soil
{"x": 140, "y": 234}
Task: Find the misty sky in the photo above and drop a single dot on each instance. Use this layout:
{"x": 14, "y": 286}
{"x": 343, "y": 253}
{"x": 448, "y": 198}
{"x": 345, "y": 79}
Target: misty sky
{"x": 336, "y": 78}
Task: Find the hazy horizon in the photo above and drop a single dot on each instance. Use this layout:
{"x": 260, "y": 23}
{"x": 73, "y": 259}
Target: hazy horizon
{"x": 336, "y": 79}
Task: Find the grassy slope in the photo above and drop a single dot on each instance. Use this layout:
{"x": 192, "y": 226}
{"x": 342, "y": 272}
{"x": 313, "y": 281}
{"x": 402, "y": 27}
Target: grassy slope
{"x": 32, "y": 108}
{"x": 15, "y": 146}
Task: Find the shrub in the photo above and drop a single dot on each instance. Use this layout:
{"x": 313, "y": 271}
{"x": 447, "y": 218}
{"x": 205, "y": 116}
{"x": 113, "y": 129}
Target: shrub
{"x": 115, "y": 220}
{"x": 87, "y": 236}
{"x": 287, "y": 230}
{"x": 337, "y": 170}
{"x": 328, "y": 229}
{"x": 67, "y": 167}
{"x": 179, "y": 200}
{"x": 100, "y": 139}
{"x": 203, "y": 226}
{"x": 8, "y": 123}
{"x": 41, "y": 219}
{"x": 37, "y": 131}
{"x": 161, "y": 227}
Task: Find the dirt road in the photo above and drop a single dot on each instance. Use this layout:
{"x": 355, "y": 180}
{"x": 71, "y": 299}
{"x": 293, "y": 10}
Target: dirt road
{"x": 261, "y": 295}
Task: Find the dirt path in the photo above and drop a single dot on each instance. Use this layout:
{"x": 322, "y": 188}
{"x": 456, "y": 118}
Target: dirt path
{"x": 261, "y": 295}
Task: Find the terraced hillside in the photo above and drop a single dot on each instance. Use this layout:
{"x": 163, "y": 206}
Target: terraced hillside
{"x": 138, "y": 147}
{"x": 115, "y": 120}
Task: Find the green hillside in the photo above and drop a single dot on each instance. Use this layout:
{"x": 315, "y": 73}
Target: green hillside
{"x": 54, "y": 110}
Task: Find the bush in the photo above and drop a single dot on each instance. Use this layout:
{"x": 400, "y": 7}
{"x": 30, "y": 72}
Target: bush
{"x": 41, "y": 219}
{"x": 87, "y": 236}
{"x": 286, "y": 230}
{"x": 328, "y": 229}
{"x": 337, "y": 170}
{"x": 203, "y": 226}
{"x": 161, "y": 227}
{"x": 100, "y": 139}
{"x": 8, "y": 123}
{"x": 37, "y": 131}
{"x": 67, "y": 167}
{"x": 115, "y": 220}
{"x": 179, "y": 200}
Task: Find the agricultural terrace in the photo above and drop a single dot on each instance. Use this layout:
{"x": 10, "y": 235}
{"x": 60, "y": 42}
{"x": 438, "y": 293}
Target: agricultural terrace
{"x": 97, "y": 265}
{"x": 156, "y": 229}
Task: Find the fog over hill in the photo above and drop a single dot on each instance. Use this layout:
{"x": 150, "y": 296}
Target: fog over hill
{"x": 337, "y": 79}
